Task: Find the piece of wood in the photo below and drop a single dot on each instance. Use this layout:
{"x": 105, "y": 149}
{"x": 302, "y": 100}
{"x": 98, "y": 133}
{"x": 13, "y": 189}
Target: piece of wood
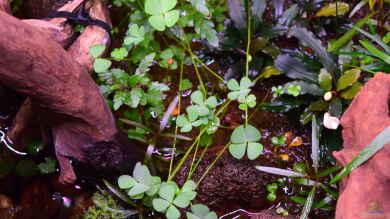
{"x": 82, "y": 124}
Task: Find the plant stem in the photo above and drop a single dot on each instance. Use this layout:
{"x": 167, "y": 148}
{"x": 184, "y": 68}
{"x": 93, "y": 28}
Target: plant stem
{"x": 248, "y": 56}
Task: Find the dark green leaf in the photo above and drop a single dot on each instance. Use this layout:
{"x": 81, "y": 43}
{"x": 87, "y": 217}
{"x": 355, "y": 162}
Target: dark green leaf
{"x": 294, "y": 68}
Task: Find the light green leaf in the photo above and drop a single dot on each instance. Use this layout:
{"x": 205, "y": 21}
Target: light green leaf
{"x": 245, "y": 83}
{"x": 183, "y": 199}
{"x": 200, "y": 5}
{"x": 171, "y": 18}
{"x": 315, "y": 143}
{"x": 157, "y": 22}
{"x": 182, "y": 121}
{"x": 189, "y": 186}
{"x": 135, "y": 35}
{"x": 101, "y": 65}
{"x": 376, "y": 52}
{"x": 145, "y": 64}
{"x": 119, "y": 53}
{"x": 138, "y": 189}
{"x": 351, "y": 92}
{"x": 185, "y": 84}
{"x": 233, "y": 85}
{"x": 193, "y": 113}
{"x": 167, "y": 191}
{"x": 97, "y": 50}
{"x": 308, "y": 204}
{"x": 333, "y": 9}
{"x": 154, "y": 7}
{"x": 197, "y": 97}
{"x": 211, "y": 102}
{"x": 126, "y": 182}
{"x": 160, "y": 205}
{"x": 135, "y": 97}
{"x": 348, "y": 78}
{"x": 243, "y": 134}
{"x": 254, "y": 150}
{"x": 325, "y": 80}
{"x": 172, "y": 213}
{"x": 200, "y": 210}
{"x": 278, "y": 171}
{"x": 141, "y": 174}
{"x": 237, "y": 150}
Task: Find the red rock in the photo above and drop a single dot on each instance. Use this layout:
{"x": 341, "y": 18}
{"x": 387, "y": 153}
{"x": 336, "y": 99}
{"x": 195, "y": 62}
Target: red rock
{"x": 365, "y": 193}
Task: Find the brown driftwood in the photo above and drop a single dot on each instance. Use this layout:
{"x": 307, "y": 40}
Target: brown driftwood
{"x": 365, "y": 192}
{"x": 82, "y": 125}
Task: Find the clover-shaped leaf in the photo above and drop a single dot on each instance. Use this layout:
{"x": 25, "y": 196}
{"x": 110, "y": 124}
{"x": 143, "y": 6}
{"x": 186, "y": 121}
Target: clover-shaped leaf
{"x": 162, "y": 14}
{"x": 135, "y": 35}
{"x": 240, "y": 91}
{"x": 200, "y": 211}
{"x": 126, "y": 182}
{"x": 197, "y": 97}
{"x": 243, "y": 139}
{"x": 184, "y": 123}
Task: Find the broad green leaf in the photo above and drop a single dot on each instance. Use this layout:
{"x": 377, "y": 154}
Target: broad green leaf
{"x": 189, "y": 186}
{"x": 167, "y": 191}
{"x": 192, "y": 216}
{"x": 200, "y": 210}
{"x": 296, "y": 88}
{"x": 325, "y": 80}
{"x": 233, "y": 95}
{"x": 336, "y": 107}
{"x": 101, "y": 65}
{"x": 269, "y": 71}
{"x": 245, "y": 83}
{"x": 376, "y": 52}
{"x": 377, "y": 144}
{"x": 154, "y": 7}
{"x": 119, "y": 99}
{"x": 156, "y": 183}
{"x": 308, "y": 204}
{"x": 186, "y": 128}
{"x": 351, "y": 92}
{"x": 171, "y": 18}
{"x": 126, "y": 182}
{"x": 206, "y": 30}
{"x": 141, "y": 174}
{"x": 135, "y": 97}
{"x": 211, "y": 102}
{"x": 119, "y": 53}
{"x": 160, "y": 205}
{"x": 348, "y": 78}
{"x": 202, "y": 110}
{"x": 243, "y": 134}
{"x": 135, "y": 35}
{"x": 271, "y": 196}
{"x": 193, "y": 113}
{"x": 168, "y": 4}
{"x": 333, "y": 9}
{"x": 197, "y": 97}
{"x": 172, "y": 213}
{"x": 97, "y": 50}
{"x": 272, "y": 187}
{"x": 184, "y": 198}
{"x": 182, "y": 121}
{"x": 254, "y": 150}
{"x": 138, "y": 189}
{"x": 278, "y": 171}
{"x": 145, "y": 64}
{"x": 294, "y": 68}
{"x": 185, "y": 84}
{"x": 233, "y": 85}
{"x": 237, "y": 150}
{"x": 157, "y": 22}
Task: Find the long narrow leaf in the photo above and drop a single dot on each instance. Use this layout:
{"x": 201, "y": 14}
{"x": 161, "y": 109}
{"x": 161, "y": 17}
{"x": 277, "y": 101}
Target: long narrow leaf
{"x": 375, "y": 52}
{"x": 375, "y": 38}
{"x": 308, "y": 204}
{"x": 308, "y": 39}
{"x": 315, "y": 143}
{"x": 378, "y": 143}
{"x": 344, "y": 39}
{"x": 278, "y": 171}
{"x": 258, "y": 8}
{"x": 237, "y": 13}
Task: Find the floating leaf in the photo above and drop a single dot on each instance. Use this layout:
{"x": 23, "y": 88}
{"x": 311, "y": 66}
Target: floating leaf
{"x": 333, "y": 9}
{"x": 348, "y": 78}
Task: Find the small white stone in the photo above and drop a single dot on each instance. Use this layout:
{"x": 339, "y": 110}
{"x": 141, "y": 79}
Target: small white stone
{"x": 328, "y": 96}
{"x": 331, "y": 122}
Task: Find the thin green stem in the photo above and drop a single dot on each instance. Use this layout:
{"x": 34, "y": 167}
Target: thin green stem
{"x": 196, "y": 69}
{"x": 248, "y": 56}
{"x": 193, "y": 160}
{"x": 208, "y": 69}
{"x": 176, "y": 128}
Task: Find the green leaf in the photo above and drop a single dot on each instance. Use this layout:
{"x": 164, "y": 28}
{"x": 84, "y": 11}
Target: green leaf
{"x": 294, "y": 68}
{"x": 97, "y": 50}
{"x": 184, "y": 198}
{"x": 308, "y": 204}
{"x": 119, "y": 99}
{"x": 200, "y": 5}
{"x": 315, "y": 143}
{"x": 206, "y": 30}
{"x": 172, "y": 213}
{"x": 135, "y": 97}
{"x": 193, "y": 113}
{"x": 233, "y": 85}
{"x": 348, "y": 78}
{"x": 351, "y": 92}
{"x": 376, "y": 52}
{"x": 271, "y": 196}
{"x": 211, "y": 102}
{"x": 101, "y": 65}
{"x": 185, "y": 84}
{"x": 167, "y": 191}
{"x": 278, "y": 171}
{"x": 135, "y": 35}
{"x": 325, "y": 80}
{"x": 182, "y": 121}
{"x": 376, "y": 39}
{"x": 138, "y": 189}
{"x": 377, "y": 144}
{"x": 160, "y": 205}
{"x": 237, "y": 150}
{"x": 200, "y": 210}
{"x": 49, "y": 166}
{"x": 141, "y": 174}
{"x": 119, "y": 53}
{"x": 126, "y": 182}
{"x": 272, "y": 187}
{"x": 254, "y": 150}
{"x": 189, "y": 186}
{"x": 145, "y": 64}
{"x": 154, "y": 6}
{"x": 243, "y": 134}
{"x": 333, "y": 9}
{"x": 197, "y": 97}
{"x": 171, "y": 18}
{"x": 294, "y": 90}
{"x": 245, "y": 83}
{"x": 157, "y": 22}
